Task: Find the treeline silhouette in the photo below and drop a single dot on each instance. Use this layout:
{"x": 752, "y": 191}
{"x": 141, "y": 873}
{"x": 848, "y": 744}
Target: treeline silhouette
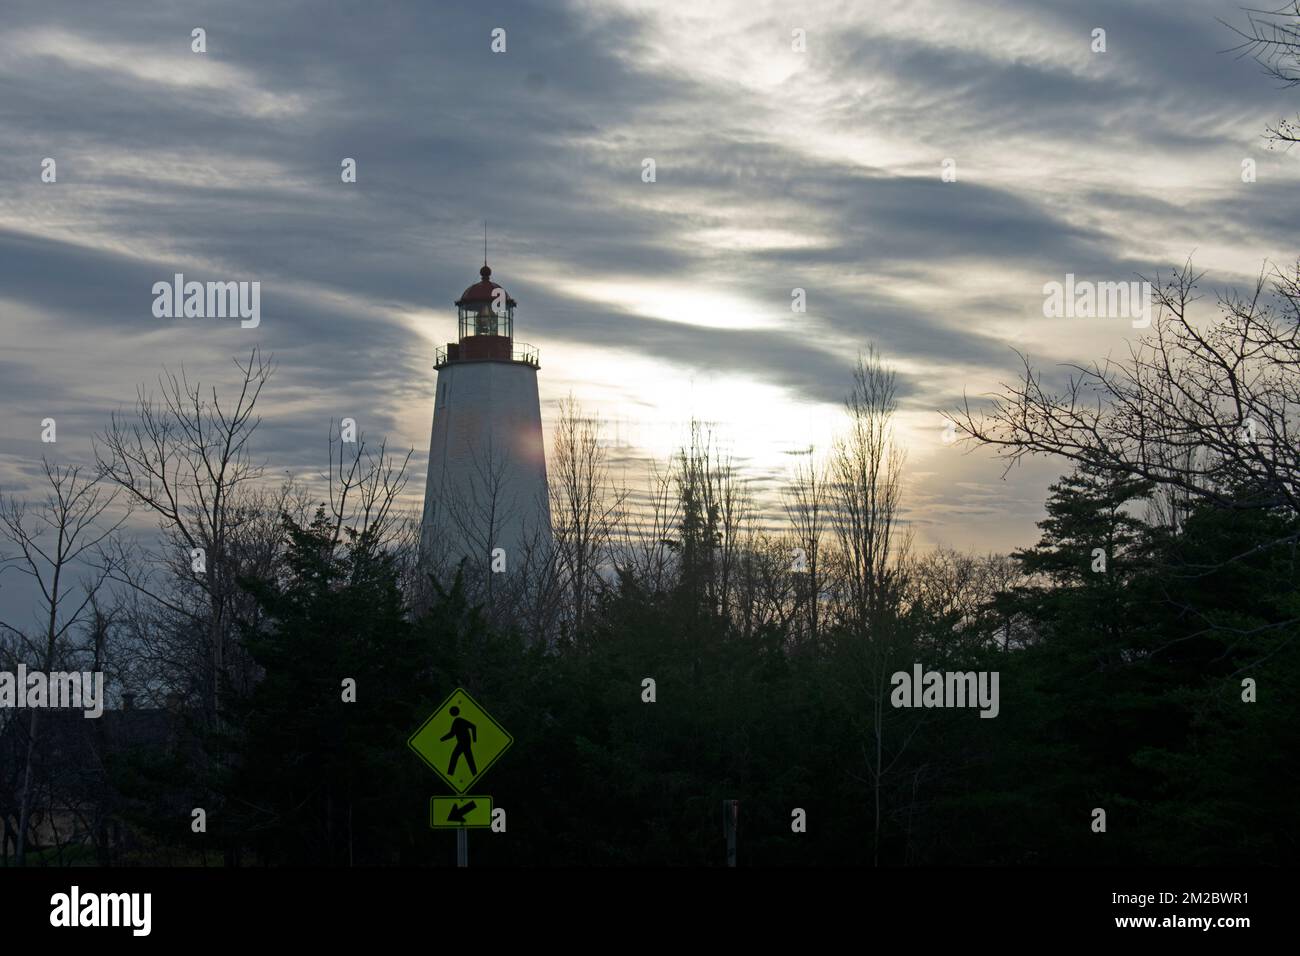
{"x": 1145, "y": 648}
{"x": 1120, "y": 690}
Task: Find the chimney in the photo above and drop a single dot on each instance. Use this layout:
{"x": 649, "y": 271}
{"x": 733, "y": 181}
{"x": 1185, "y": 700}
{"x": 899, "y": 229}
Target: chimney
{"x": 128, "y": 700}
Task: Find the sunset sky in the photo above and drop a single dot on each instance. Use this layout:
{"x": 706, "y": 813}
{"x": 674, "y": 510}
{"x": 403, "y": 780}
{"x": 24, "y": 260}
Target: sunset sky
{"x": 649, "y": 302}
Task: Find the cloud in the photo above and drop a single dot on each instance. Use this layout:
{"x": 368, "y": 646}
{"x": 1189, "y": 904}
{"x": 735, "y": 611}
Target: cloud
{"x": 651, "y": 301}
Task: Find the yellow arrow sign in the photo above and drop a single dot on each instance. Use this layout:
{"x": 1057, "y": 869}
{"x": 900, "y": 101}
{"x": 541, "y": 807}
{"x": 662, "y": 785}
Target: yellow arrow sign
{"x": 460, "y": 812}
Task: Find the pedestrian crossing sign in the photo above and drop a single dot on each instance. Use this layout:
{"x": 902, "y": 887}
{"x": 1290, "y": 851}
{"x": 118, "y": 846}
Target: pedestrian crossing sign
{"x": 460, "y": 741}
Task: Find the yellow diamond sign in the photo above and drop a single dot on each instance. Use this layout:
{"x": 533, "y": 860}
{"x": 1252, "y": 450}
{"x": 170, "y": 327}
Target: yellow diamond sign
{"x": 460, "y": 741}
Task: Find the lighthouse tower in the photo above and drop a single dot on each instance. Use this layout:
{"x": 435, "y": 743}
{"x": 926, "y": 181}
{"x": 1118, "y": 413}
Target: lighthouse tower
{"x": 485, "y": 498}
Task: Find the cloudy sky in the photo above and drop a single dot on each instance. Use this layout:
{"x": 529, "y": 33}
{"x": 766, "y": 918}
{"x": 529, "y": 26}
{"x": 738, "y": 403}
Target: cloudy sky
{"x": 653, "y": 302}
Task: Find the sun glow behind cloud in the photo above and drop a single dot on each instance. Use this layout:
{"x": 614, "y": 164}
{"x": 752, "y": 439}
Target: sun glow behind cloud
{"x": 654, "y": 302}
{"x": 689, "y": 302}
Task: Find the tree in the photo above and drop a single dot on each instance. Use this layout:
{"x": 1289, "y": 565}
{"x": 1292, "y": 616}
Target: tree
{"x": 866, "y": 498}
{"x": 363, "y": 491}
{"x": 1272, "y": 38}
{"x": 867, "y": 469}
{"x": 52, "y": 544}
{"x": 646, "y": 549}
{"x": 185, "y": 456}
{"x": 1201, "y": 413}
{"x": 317, "y": 773}
{"x": 956, "y": 597}
{"x": 481, "y": 520}
{"x": 585, "y": 508}
{"x": 806, "y": 507}
{"x": 714, "y": 506}
{"x": 1084, "y": 572}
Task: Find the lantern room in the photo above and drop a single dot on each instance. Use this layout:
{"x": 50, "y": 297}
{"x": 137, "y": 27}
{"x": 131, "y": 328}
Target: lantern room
{"x": 487, "y": 326}
{"x": 486, "y": 309}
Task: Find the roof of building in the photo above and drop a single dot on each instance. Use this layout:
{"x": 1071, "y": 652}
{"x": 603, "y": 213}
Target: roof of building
{"x": 482, "y": 291}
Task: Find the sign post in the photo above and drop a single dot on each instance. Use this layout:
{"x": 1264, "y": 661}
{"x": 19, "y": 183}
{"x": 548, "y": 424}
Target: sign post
{"x": 459, "y": 742}
{"x": 730, "y": 819}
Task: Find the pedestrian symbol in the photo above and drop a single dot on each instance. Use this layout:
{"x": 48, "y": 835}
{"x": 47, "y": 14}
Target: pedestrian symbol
{"x": 460, "y": 741}
{"x": 462, "y": 730}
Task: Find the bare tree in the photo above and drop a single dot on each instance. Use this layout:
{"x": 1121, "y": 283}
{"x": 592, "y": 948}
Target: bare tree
{"x": 585, "y": 507}
{"x": 536, "y": 595}
{"x": 806, "y": 508}
{"x": 646, "y": 545}
{"x": 185, "y": 456}
{"x": 404, "y": 546}
{"x": 716, "y": 505}
{"x": 765, "y": 591}
{"x": 866, "y": 498}
{"x": 1272, "y": 39}
{"x": 730, "y": 495}
{"x": 958, "y": 592}
{"x": 1206, "y": 414}
{"x": 867, "y": 470}
{"x": 363, "y": 491}
{"x": 499, "y": 540}
{"x": 52, "y": 544}
{"x": 475, "y": 514}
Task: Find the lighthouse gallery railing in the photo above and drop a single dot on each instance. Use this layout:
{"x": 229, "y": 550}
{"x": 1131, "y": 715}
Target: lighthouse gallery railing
{"x": 520, "y": 352}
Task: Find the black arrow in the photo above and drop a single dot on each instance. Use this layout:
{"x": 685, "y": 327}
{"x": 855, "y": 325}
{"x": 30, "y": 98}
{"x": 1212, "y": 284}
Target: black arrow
{"x": 457, "y": 814}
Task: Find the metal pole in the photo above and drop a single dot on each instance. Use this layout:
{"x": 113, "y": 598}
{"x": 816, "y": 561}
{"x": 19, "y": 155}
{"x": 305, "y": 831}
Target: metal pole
{"x": 462, "y": 847}
{"x": 730, "y": 818}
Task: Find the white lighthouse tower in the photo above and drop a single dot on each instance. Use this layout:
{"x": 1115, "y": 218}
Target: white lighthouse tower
{"x": 485, "y": 499}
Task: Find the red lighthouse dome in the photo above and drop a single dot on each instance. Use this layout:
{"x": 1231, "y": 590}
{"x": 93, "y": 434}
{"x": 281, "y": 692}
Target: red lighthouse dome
{"x": 486, "y": 327}
{"x": 484, "y": 291}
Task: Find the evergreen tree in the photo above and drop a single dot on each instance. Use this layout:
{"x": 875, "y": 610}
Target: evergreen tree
{"x": 321, "y": 776}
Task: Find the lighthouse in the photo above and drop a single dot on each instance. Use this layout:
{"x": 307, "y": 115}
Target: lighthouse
{"x": 485, "y": 498}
